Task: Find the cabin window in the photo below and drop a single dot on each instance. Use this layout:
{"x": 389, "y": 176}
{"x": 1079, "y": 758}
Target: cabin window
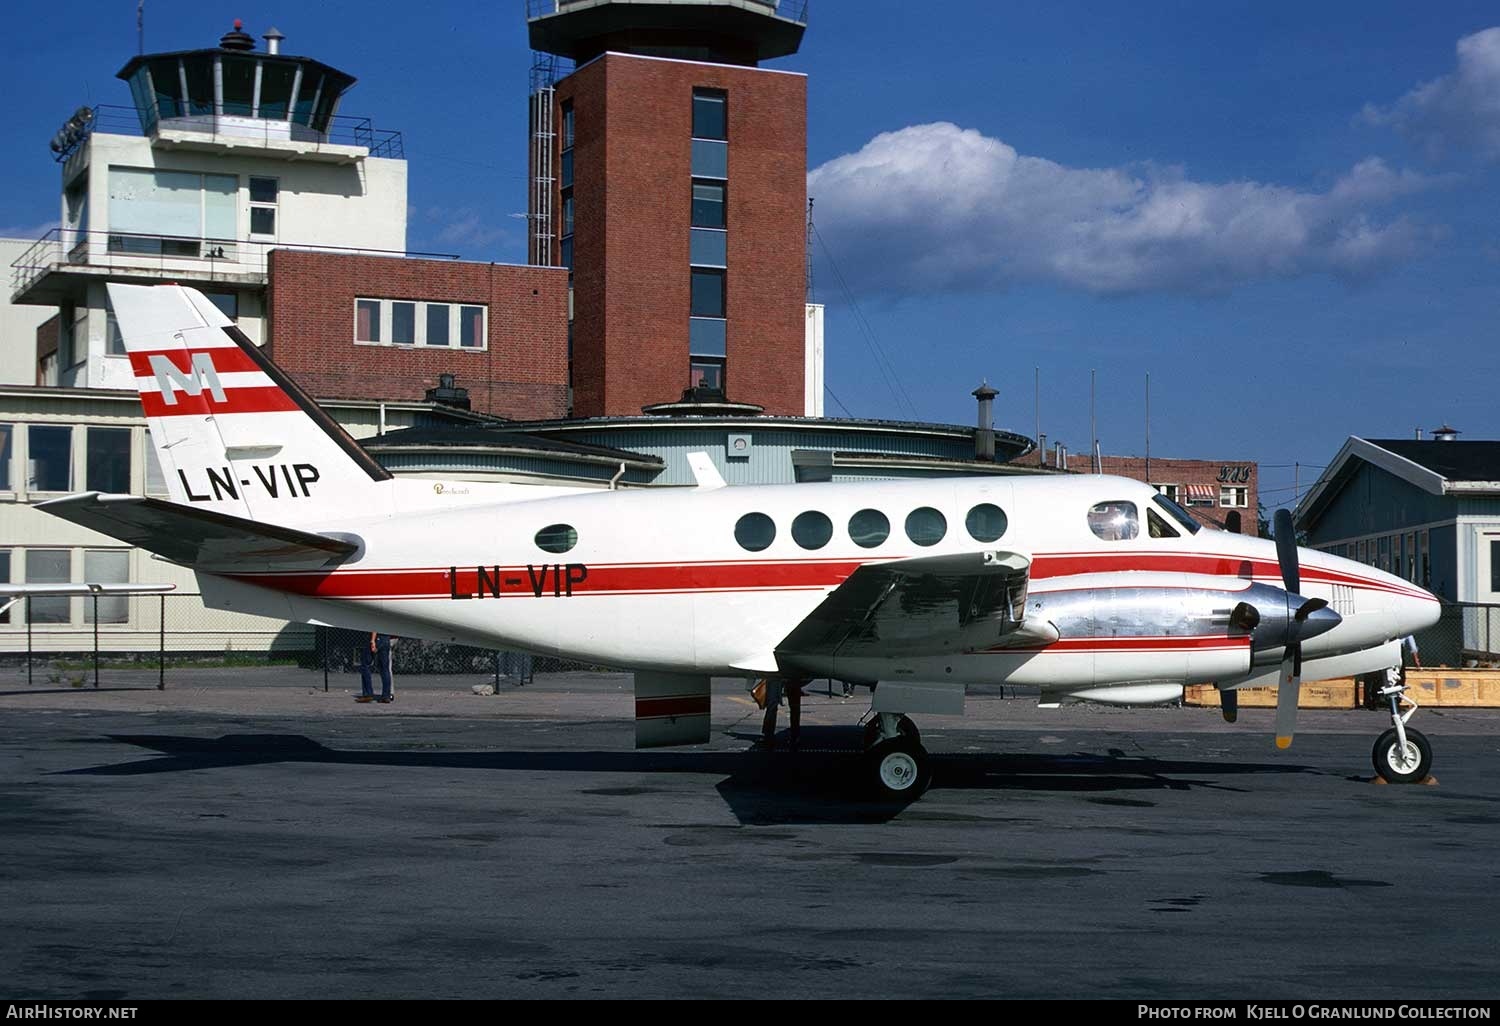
{"x": 926, "y": 526}
{"x": 869, "y": 528}
{"x": 986, "y": 522}
{"x": 556, "y": 538}
{"x": 812, "y": 529}
{"x": 1158, "y": 527}
{"x": 1114, "y": 521}
{"x": 755, "y": 531}
{"x": 1178, "y": 514}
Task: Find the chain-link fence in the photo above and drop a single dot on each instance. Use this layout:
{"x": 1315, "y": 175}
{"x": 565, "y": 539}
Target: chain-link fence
{"x": 1466, "y": 634}
{"x": 102, "y": 640}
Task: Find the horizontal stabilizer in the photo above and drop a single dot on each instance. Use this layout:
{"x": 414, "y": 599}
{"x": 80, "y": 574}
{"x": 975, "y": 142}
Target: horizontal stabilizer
{"x": 196, "y": 538}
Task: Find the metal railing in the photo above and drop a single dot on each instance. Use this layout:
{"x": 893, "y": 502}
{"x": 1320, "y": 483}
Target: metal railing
{"x": 209, "y": 258}
{"x": 343, "y": 130}
{"x": 791, "y": 10}
{"x": 174, "y": 636}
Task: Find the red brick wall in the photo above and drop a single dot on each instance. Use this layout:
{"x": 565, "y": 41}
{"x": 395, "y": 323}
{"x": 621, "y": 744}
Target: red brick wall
{"x": 522, "y": 374}
{"x": 633, "y": 128}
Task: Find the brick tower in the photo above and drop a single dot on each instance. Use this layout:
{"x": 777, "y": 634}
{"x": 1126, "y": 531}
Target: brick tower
{"x": 669, "y": 174}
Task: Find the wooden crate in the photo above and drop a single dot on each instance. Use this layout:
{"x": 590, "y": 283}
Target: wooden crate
{"x": 1466, "y": 688}
{"x": 1323, "y": 694}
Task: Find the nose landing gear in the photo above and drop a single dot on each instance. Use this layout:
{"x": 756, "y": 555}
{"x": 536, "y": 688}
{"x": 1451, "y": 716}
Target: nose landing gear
{"x": 1402, "y": 755}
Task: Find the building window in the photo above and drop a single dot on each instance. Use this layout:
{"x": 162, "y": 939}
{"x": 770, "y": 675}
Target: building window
{"x": 227, "y": 302}
{"x": 708, "y": 247}
{"x": 156, "y": 481}
{"x": 5, "y": 579}
{"x": 171, "y": 213}
{"x": 707, "y": 293}
{"x": 411, "y": 323}
{"x": 706, "y": 373}
{"x": 106, "y": 566}
{"x": 1171, "y": 491}
{"x": 114, "y": 342}
{"x": 264, "y": 193}
{"x": 1232, "y": 496}
{"x": 7, "y": 432}
{"x": 50, "y": 448}
{"x": 49, "y": 566}
{"x": 708, "y": 204}
{"x": 107, "y": 466}
{"x": 710, "y": 114}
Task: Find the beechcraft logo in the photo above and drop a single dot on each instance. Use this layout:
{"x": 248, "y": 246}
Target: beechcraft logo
{"x": 193, "y": 381}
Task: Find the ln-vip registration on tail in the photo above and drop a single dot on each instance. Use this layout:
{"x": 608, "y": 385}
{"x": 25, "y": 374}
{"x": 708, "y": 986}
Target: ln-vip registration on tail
{"x": 1088, "y": 587}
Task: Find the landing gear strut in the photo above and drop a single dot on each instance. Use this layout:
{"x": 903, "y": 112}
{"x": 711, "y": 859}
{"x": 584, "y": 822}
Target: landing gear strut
{"x": 896, "y": 764}
{"x": 1402, "y": 755}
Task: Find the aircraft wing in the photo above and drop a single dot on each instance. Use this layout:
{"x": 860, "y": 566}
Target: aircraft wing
{"x": 932, "y": 605}
{"x": 215, "y": 542}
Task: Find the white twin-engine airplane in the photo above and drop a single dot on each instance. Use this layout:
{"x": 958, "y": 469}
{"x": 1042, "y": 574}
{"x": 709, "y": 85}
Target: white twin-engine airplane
{"x": 1090, "y": 588}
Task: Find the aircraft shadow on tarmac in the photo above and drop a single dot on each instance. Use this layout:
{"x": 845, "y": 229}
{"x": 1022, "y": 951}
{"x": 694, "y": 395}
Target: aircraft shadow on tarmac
{"x": 820, "y": 783}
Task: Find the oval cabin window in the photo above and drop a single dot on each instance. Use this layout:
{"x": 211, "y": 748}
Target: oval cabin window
{"x": 812, "y": 529}
{"x": 986, "y": 522}
{"x": 926, "y": 526}
{"x": 755, "y": 531}
{"x": 869, "y": 528}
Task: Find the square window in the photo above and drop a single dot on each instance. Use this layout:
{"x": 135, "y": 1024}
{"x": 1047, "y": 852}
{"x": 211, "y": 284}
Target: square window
{"x": 437, "y": 324}
{"x": 708, "y": 293}
{"x": 262, "y": 220}
{"x": 707, "y": 374}
{"x": 706, "y": 336}
{"x": 263, "y": 190}
{"x": 49, "y": 566}
{"x": 471, "y": 327}
{"x": 7, "y": 432}
{"x": 51, "y": 458}
{"x": 227, "y": 302}
{"x": 106, "y": 566}
{"x": 708, "y": 247}
{"x": 710, "y": 114}
{"x": 710, "y": 158}
{"x": 367, "y": 320}
{"x": 404, "y": 324}
{"x": 108, "y": 468}
{"x": 708, "y": 205}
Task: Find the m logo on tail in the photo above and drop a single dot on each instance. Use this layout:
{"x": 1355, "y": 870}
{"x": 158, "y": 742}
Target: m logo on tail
{"x": 202, "y": 375}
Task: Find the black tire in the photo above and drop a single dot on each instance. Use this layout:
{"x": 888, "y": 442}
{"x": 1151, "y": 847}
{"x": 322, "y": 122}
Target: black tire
{"x": 897, "y": 770}
{"x": 1402, "y": 771}
{"x": 904, "y": 725}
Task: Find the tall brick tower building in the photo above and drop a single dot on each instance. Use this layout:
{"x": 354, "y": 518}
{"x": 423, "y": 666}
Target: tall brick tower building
{"x": 669, "y": 173}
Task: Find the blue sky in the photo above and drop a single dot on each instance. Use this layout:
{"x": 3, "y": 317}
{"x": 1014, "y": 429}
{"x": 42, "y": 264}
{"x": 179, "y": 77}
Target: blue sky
{"x": 1289, "y": 215}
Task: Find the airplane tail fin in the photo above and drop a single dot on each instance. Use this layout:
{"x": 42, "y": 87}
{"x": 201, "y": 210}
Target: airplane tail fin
{"x": 233, "y": 434}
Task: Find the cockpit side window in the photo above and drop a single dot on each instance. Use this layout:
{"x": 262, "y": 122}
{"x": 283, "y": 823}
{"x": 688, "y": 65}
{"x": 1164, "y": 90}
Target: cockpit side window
{"x": 1178, "y": 514}
{"x": 1158, "y": 527}
{"x": 1115, "y": 521}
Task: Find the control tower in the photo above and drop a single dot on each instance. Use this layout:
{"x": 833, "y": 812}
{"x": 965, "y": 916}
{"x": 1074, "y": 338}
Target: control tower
{"x": 669, "y": 174}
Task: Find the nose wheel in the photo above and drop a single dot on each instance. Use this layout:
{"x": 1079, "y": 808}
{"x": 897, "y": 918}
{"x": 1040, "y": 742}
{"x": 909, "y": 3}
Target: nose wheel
{"x": 896, "y": 766}
{"x": 1402, "y": 755}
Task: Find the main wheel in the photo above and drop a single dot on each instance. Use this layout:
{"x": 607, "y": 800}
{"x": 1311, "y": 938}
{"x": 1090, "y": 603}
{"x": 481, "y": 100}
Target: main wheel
{"x": 897, "y": 769}
{"x": 904, "y": 725}
{"x": 1400, "y": 766}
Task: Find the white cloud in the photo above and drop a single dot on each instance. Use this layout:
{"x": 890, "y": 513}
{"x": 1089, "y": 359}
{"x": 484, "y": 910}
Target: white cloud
{"x": 938, "y": 207}
{"x": 1457, "y": 112}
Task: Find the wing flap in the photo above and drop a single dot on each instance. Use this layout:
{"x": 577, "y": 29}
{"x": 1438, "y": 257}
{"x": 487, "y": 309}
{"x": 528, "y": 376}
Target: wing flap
{"x": 202, "y": 540}
{"x": 932, "y": 605}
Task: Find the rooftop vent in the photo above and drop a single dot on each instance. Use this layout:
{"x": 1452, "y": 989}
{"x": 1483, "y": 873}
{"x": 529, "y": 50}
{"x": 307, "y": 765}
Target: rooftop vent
{"x": 237, "y": 38}
{"x": 1445, "y": 434}
{"x": 448, "y": 394}
{"x": 273, "y": 38}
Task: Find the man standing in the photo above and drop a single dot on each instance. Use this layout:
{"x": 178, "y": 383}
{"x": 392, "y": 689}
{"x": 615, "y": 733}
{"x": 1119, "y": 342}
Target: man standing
{"x": 378, "y": 650}
{"x": 774, "y": 688}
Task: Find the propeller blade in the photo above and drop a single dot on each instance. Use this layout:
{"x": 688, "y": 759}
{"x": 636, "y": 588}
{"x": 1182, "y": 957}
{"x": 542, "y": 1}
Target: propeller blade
{"x": 1288, "y": 693}
{"x": 1286, "y": 551}
{"x": 1229, "y": 705}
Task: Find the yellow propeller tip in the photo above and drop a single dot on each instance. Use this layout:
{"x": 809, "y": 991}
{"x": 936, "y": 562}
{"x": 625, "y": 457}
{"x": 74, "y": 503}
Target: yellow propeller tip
{"x": 1283, "y": 742}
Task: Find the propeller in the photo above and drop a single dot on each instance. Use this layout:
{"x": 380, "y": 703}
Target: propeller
{"x": 1289, "y": 688}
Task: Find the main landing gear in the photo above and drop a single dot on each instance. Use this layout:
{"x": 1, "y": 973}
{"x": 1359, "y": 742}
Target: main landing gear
{"x": 896, "y": 765}
{"x": 1402, "y": 755}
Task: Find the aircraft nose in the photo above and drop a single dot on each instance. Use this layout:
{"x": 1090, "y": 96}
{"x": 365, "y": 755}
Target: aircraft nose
{"x": 1417, "y": 614}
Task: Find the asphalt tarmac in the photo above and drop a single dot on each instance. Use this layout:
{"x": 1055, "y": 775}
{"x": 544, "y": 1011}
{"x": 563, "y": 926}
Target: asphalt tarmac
{"x": 243, "y": 840}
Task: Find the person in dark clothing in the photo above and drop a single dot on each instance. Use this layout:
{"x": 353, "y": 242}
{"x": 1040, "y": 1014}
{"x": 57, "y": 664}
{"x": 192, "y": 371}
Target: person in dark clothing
{"x": 774, "y": 688}
{"x": 378, "y": 650}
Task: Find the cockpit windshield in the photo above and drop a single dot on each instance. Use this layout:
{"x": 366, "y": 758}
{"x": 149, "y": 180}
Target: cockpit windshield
{"x": 1178, "y": 514}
